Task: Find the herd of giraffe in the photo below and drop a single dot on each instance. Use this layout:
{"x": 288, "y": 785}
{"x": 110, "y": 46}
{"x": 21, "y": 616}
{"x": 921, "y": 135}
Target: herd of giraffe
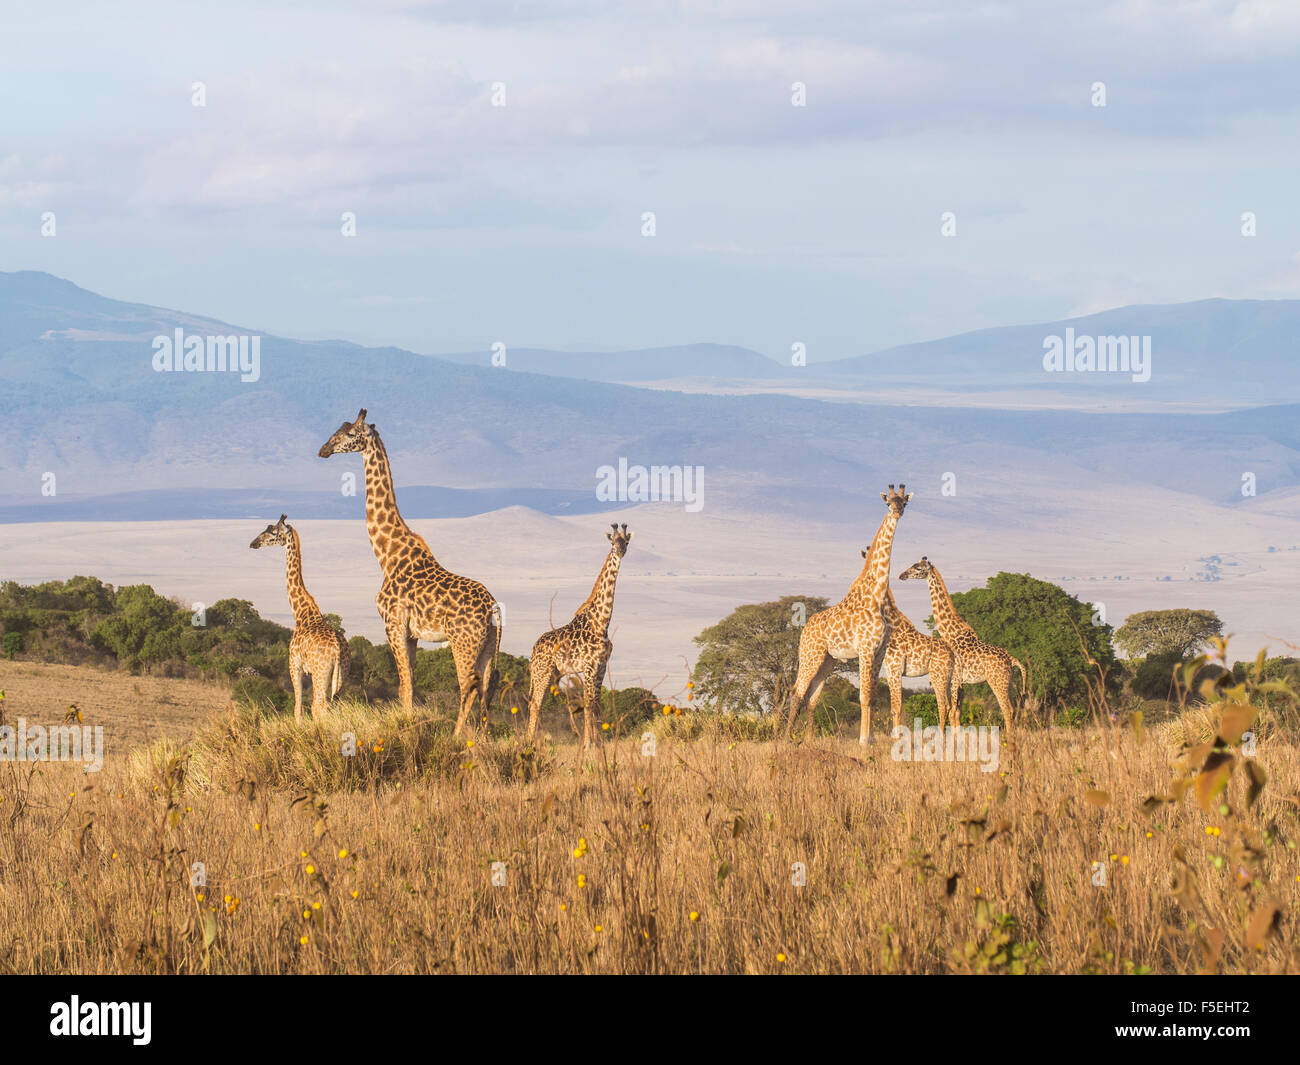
{"x": 422, "y": 600}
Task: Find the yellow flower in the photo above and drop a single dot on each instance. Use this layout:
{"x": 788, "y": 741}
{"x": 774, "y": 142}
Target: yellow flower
{"x": 582, "y": 880}
{"x": 306, "y": 915}
{"x": 581, "y": 848}
{"x": 311, "y": 870}
{"x": 343, "y": 853}
{"x": 514, "y": 709}
{"x": 302, "y": 854}
{"x": 690, "y": 684}
{"x": 667, "y": 710}
{"x": 564, "y": 906}
{"x": 1150, "y": 834}
{"x": 315, "y": 905}
{"x": 601, "y": 927}
{"x": 199, "y": 896}
{"x": 257, "y": 826}
{"x": 604, "y": 726}
{"x": 115, "y": 854}
{"x": 355, "y": 894}
{"x": 1124, "y": 860}
{"x": 781, "y": 958}
{"x": 695, "y": 915}
{"x": 303, "y": 941}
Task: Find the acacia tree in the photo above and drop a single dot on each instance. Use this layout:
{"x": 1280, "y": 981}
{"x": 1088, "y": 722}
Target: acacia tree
{"x": 749, "y": 659}
{"x": 1036, "y": 621}
{"x": 1181, "y": 632}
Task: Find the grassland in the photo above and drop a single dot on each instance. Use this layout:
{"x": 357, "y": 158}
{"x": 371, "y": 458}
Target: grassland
{"x": 615, "y": 861}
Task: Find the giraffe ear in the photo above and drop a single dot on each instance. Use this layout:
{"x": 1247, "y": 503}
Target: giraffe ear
{"x": 864, "y": 552}
{"x": 629, "y": 535}
{"x": 908, "y": 497}
{"x": 884, "y": 497}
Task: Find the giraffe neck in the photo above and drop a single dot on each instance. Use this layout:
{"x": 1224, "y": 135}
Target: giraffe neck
{"x": 873, "y": 582}
{"x": 388, "y": 530}
{"x": 896, "y": 617}
{"x": 599, "y": 605}
{"x": 300, "y": 600}
{"x": 946, "y": 619}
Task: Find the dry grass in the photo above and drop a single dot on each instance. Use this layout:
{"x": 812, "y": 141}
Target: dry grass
{"x": 911, "y": 867}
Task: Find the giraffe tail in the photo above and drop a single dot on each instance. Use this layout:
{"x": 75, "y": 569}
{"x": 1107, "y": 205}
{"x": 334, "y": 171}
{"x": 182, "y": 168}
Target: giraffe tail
{"x": 1024, "y": 689}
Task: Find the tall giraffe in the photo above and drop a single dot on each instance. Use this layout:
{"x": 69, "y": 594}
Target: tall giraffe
{"x": 855, "y": 627}
{"x": 912, "y": 653}
{"x": 976, "y": 660}
{"x": 420, "y": 599}
{"x": 315, "y": 647}
{"x": 582, "y": 647}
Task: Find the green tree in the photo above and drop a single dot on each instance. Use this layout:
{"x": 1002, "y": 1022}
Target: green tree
{"x": 748, "y": 660}
{"x": 1031, "y": 619}
{"x": 1180, "y": 632}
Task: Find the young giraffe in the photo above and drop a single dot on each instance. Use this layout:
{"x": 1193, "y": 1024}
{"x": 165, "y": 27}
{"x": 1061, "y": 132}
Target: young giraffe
{"x": 976, "y": 660}
{"x": 420, "y": 599}
{"x": 315, "y": 647}
{"x": 582, "y": 647}
{"x": 912, "y": 653}
{"x": 855, "y": 627}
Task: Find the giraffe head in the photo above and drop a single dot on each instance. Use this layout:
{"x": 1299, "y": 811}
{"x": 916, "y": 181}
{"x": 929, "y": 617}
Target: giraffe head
{"x": 274, "y": 535}
{"x": 896, "y": 499}
{"x": 920, "y": 571}
{"x": 351, "y": 436}
{"x": 620, "y": 538}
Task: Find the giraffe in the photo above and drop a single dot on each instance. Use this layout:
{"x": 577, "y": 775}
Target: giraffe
{"x": 420, "y": 599}
{"x": 315, "y": 647}
{"x": 582, "y": 647}
{"x": 976, "y": 660}
{"x": 855, "y": 627}
{"x": 912, "y": 653}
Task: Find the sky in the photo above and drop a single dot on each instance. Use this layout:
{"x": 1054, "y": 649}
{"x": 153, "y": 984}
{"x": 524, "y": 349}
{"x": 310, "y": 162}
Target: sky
{"x": 774, "y": 224}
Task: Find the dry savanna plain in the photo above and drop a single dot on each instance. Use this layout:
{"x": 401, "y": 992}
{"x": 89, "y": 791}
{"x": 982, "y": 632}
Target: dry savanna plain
{"x": 219, "y": 838}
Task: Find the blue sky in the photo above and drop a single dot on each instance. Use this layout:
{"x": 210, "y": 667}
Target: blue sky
{"x": 775, "y": 224}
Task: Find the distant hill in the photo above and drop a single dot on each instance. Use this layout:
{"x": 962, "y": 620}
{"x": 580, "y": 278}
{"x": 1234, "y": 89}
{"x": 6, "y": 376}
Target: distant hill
{"x": 83, "y": 402}
{"x": 1246, "y": 351}
{"x": 649, "y": 364}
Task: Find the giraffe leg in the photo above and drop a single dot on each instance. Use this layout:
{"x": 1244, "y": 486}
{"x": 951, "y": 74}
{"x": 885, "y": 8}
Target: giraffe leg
{"x": 807, "y": 691}
{"x": 593, "y": 704}
{"x": 320, "y": 686}
{"x": 590, "y": 693}
{"x": 1000, "y": 682}
{"x": 295, "y": 673}
{"x": 396, "y": 630}
{"x": 485, "y": 666}
{"x": 542, "y": 670}
{"x": 941, "y": 682}
{"x": 895, "y": 670}
{"x": 869, "y": 661}
{"x": 468, "y": 681}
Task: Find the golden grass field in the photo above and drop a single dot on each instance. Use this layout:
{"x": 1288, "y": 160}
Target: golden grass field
{"x": 616, "y": 862}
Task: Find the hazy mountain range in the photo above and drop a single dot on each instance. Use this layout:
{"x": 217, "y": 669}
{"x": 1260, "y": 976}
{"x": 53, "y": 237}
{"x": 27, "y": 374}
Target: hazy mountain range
{"x": 83, "y": 402}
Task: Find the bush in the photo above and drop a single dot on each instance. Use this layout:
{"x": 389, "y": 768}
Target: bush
{"x": 12, "y": 645}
